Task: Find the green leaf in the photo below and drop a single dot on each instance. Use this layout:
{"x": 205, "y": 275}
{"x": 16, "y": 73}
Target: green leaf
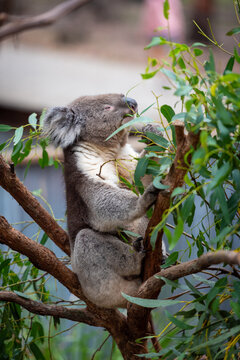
{"x": 37, "y": 330}
{"x": 18, "y": 135}
{"x": 158, "y": 139}
{"x": 32, "y": 120}
{"x": 4, "y": 264}
{"x": 178, "y": 191}
{"x": 27, "y": 168}
{"x": 191, "y": 287}
{"x": 2, "y": 146}
{"x": 5, "y": 128}
{"x": 147, "y": 108}
{"x": 177, "y": 233}
{"x": 157, "y": 183}
{"x": 223, "y": 203}
{"x": 36, "y": 351}
{"x": 140, "y": 172}
{"x": 220, "y": 175}
{"x": 236, "y": 308}
{"x": 197, "y": 52}
{"x": 198, "y": 44}
{"x": 210, "y": 65}
{"x": 44, "y": 161}
{"x": 44, "y": 239}
{"x": 149, "y": 75}
{"x": 229, "y": 65}
{"x": 170, "y": 74}
{"x": 16, "y": 152}
{"x": 219, "y": 339}
{"x": 156, "y": 40}
{"x": 234, "y": 31}
{"x": 150, "y": 303}
{"x": 166, "y": 9}
{"x": 167, "y": 112}
{"x": 183, "y": 90}
{"x": 237, "y": 57}
{"x": 221, "y": 236}
{"x": 181, "y": 63}
{"x": 171, "y": 259}
{"x": 140, "y": 119}
{"x": 187, "y": 207}
{"x": 180, "y": 324}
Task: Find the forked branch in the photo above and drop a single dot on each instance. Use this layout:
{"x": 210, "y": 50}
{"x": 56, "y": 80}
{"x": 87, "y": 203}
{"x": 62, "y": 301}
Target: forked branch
{"x": 19, "y": 24}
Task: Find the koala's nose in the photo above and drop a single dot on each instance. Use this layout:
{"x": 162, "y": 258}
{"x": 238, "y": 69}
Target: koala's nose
{"x": 131, "y": 103}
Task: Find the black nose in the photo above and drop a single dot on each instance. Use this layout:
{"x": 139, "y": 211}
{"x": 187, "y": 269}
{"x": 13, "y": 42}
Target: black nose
{"x": 131, "y": 103}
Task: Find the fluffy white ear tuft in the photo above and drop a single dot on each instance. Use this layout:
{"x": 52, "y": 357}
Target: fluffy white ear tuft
{"x": 61, "y": 126}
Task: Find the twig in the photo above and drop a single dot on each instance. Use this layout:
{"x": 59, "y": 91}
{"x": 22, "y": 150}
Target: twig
{"x": 39, "y": 308}
{"x": 188, "y": 268}
{"x": 20, "y": 23}
{"x": 100, "y": 347}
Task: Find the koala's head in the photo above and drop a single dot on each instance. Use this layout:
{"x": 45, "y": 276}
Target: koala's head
{"x": 89, "y": 118}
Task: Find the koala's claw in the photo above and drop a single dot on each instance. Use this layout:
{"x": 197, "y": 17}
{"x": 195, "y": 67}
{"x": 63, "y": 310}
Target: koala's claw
{"x": 138, "y": 244}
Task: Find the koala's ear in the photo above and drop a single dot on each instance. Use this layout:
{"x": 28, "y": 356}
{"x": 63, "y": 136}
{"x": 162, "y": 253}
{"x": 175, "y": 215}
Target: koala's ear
{"x": 61, "y": 126}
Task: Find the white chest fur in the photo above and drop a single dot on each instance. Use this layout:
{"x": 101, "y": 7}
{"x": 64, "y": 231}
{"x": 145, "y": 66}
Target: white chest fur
{"x": 103, "y": 164}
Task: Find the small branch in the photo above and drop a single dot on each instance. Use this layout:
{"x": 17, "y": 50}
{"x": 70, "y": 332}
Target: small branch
{"x": 153, "y": 285}
{"x": 10, "y": 182}
{"x": 21, "y": 23}
{"x": 35, "y": 307}
{"x": 188, "y": 268}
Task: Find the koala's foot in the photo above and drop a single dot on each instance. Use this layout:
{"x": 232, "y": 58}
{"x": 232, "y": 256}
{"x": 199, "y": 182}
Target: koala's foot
{"x": 138, "y": 245}
{"x": 164, "y": 258}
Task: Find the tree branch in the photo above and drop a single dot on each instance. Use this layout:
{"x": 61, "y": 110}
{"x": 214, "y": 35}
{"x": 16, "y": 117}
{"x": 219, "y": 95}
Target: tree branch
{"x": 10, "y": 182}
{"x": 153, "y": 284}
{"x": 40, "y": 256}
{"x": 35, "y": 307}
{"x": 44, "y": 259}
{"x": 138, "y": 317}
{"x": 20, "y": 23}
{"x": 174, "y": 178}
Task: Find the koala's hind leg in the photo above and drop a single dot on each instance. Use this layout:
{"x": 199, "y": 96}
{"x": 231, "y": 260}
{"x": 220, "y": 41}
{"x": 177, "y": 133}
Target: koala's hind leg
{"x": 103, "y": 264}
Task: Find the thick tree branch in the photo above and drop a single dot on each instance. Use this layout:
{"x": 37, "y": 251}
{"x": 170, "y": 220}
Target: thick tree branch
{"x": 35, "y": 307}
{"x": 174, "y": 178}
{"x": 10, "y": 182}
{"x": 153, "y": 285}
{"x": 20, "y": 23}
{"x": 138, "y": 318}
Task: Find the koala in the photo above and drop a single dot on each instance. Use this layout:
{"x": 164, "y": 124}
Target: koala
{"x": 99, "y": 204}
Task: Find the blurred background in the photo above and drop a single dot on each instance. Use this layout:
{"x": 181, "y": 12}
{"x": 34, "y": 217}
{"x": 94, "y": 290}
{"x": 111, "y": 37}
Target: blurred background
{"x": 98, "y": 48}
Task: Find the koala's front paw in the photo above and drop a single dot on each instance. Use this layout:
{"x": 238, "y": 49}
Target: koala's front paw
{"x": 138, "y": 245}
{"x": 152, "y": 129}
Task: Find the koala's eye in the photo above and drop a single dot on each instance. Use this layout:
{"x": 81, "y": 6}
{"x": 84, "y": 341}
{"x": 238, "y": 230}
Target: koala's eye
{"x": 108, "y": 107}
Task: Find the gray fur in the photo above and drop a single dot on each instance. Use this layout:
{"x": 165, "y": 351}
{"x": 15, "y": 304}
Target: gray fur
{"x": 98, "y": 205}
